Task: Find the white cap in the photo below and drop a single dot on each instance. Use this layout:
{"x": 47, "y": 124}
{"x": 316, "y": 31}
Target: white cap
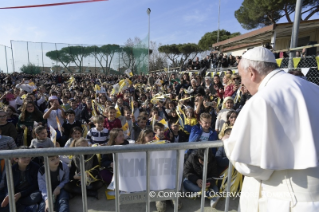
{"x": 53, "y": 98}
{"x": 260, "y": 54}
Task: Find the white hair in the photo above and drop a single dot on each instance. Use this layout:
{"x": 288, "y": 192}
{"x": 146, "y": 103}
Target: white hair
{"x": 193, "y": 80}
{"x": 261, "y": 67}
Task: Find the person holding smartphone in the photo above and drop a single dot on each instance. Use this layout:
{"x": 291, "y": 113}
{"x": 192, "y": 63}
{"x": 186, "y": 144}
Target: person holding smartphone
{"x": 193, "y": 172}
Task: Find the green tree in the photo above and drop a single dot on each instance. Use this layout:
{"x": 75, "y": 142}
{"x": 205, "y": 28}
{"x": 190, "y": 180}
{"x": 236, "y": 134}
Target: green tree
{"x": 178, "y": 54}
{"x": 30, "y": 69}
{"x": 105, "y": 54}
{"x": 60, "y": 56}
{"x": 70, "y": 54}
{"x": 260, "y": 13}
{"x": 211, "y": 37}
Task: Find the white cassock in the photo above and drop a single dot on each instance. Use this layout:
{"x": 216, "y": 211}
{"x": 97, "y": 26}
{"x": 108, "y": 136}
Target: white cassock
{"x": 275, "y": 144}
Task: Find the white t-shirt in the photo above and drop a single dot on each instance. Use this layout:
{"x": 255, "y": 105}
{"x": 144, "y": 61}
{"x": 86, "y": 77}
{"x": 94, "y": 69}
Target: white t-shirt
{"x": 204, "y": 136}
{"x": 52, "y": 118}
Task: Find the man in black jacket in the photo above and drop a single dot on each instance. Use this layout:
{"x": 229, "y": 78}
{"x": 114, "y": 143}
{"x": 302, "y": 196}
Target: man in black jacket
{"x": 193, "y": 171}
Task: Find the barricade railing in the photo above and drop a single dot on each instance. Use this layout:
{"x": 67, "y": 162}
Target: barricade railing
{"x": 81, "y": 151}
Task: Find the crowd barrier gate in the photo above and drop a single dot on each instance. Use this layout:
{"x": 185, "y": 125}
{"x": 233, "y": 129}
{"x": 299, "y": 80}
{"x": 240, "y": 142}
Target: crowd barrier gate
{"x": 8, "y": 154}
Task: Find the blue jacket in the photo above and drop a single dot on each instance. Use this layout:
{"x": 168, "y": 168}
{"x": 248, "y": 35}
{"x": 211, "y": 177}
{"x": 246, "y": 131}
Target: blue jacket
{"x": 196, "y": 133}
{"x": 31, "y": 176}
{"x": 63, "y": 178}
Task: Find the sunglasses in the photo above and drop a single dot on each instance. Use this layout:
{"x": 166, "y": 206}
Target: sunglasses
{"x": 236, "y": 78}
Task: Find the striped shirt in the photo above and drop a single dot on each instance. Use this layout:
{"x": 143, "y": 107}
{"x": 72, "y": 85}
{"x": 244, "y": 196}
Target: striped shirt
{"x": 97, "y": 137}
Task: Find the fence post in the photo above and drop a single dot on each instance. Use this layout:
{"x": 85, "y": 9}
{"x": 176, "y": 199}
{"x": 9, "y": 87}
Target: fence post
{"x": 117, "y": 189}
{"x": 48, "y": 183}
{"x": 204, "y": 179}
{"x": 229, "y": 176}
{"x": 83, "y": 183}
{"x": 148, "y": 171}
{"x": 12, "y": 204}
{"x": 5, "y": 51}
{"x": 177, "y": 181}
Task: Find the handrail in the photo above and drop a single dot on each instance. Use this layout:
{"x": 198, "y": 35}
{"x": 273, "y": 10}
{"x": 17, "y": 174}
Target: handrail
{"x": 8, "y": 154}
{"x": 107, "y": 149}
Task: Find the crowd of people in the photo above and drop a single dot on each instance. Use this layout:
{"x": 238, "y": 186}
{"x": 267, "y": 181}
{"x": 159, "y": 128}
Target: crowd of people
{"x": 214, "y": 60}
{"x": 99, "y": 110}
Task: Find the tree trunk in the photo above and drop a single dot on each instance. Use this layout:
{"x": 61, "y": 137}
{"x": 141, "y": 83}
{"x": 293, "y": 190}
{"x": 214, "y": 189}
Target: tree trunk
{"x": 286, "y": 14}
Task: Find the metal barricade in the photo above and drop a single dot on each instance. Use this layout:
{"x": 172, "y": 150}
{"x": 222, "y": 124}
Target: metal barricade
{"x": 8, "y": 154}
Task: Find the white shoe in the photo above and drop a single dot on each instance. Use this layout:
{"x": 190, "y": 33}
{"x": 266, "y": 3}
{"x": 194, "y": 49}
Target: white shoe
{"x": 214, "y": 201}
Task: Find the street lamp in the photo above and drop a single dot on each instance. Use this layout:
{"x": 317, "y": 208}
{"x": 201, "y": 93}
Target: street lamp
{"x": 148, "y": 49}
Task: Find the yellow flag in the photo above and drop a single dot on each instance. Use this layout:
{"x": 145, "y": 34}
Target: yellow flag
{"x": 218, "y": 101}
{"x": 99, "y": 107}
{"x": 118, "y": 112}
{"x": 132, "y": 106}
{"x": 71, "y": 80}
{"x": 279, "y": 61}
{"x": 85, "y": 130}
{"x": 31, "y": 83}
{"x": 93, "y": 109}
{"x": 59, "y": 124}
{"x": 317, "y": 59}
{"x": 53, "y": 135}
{"x": 125, "y": 126}
{"x": 97, "y": 88}
{"x": 25, "y": 136}
{"x": 296, "y": 61}
{"x": 164, "y": 123}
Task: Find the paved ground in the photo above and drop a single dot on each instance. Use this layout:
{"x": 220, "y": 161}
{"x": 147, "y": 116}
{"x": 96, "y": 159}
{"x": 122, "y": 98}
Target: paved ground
{"x": 109, "y": 205}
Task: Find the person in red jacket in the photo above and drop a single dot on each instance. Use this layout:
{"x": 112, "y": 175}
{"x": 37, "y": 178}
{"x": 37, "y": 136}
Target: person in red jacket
{"x": 228, "y": 85}
{"x": 111, "y": 122}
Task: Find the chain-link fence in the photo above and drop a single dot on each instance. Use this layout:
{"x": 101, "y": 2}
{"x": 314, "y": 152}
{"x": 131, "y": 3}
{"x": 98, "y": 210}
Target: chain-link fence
{"x": 67, "y": 58}
{"x": 303, "y": 63}
{"x": 6, "y": 63}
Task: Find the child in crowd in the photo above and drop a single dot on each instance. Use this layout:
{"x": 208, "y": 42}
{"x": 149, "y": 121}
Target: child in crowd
{"x": 231, "y": 118}
{"x": 54, "y": 112}
{"x": 202, "y": 131}
{"x": 68, "y": 125}
{"x": 175, "y": 134}
{"x": 190, "y": 120}
{"x": 98, "y": 134}
{"x": 111, "y": 122}
{"x": 91, "y": 170}
{"x": 59, "y": 172}
{"x": 27, "y": 196}
{"x": 159, "y": 130}
{"x": 145, "y": 136}
{"x": 155, "y": 115}
{"x": 228, "y": 104}
{"x": 7, "y": 142}
{"x": 65, "y": 103}
{"x": 41, "y": 140}
{"x": 127, "y": 118}
{"x": 137, "y": 127}
{"x": 76, "y": 133}
{"x": 116, "y": 138}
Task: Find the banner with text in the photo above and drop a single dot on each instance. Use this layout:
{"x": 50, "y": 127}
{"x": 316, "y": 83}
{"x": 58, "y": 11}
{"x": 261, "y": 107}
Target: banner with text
{"x": 132, "y": 170}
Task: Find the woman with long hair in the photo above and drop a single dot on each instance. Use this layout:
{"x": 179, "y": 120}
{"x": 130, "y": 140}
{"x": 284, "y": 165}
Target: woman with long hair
{"x": 116, "y": 137}
{"x": 12, "y": 116}
{"x": 228, "y": 82}
{"x": 29, "y": 114}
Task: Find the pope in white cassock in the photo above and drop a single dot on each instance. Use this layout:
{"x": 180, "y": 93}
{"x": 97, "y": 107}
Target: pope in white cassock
{"x": 275, "y": 140}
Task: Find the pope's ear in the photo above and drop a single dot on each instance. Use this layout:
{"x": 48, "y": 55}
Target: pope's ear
{"x": 252, "y": 73}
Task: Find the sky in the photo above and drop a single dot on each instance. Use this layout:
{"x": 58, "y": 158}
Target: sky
{"x": 114, "y": 21}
